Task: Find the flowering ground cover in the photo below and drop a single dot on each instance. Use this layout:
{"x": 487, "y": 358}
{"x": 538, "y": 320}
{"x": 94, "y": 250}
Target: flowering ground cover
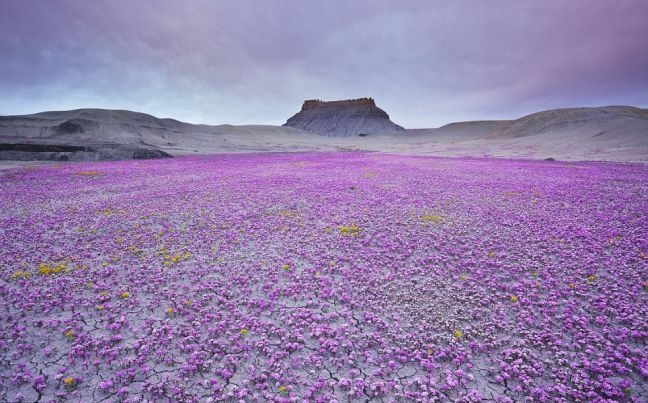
{"x": 324, "y": 277}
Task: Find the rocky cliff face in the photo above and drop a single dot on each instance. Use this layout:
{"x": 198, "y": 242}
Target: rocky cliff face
{"x": 352, "y": 117}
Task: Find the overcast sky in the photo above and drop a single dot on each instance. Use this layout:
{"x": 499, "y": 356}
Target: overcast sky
{"x": 426, "y": 63}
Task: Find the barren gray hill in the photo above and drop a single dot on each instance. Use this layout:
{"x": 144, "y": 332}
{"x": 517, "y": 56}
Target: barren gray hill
{"x": 101, "y": 134}
{"x": 97, "y": 134}
{"x": 615, "y": 133}
{"x": 351, "y": 117}
{"x": 619, "y": 121}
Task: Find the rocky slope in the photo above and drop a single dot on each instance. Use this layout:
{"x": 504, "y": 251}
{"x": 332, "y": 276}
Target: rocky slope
{"x": 620, "y": 121}
{"x": 612, "y": 133}
{"x": 353, "y": 117}
{"x": 616, "y": 120}
{"x": 101, "y": 134}
{"x": 615, "y": 133}
{"x": 84, "y": 135}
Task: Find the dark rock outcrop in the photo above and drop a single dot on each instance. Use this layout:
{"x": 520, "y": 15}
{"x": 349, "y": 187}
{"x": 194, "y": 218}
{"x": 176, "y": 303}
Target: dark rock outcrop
{"x": 352, "y": 117}
{"x": 70, "y": 126}
{"x": 42, "y": 148}
{"x": 45, "y": 151}
{"x": 147, "y": 154}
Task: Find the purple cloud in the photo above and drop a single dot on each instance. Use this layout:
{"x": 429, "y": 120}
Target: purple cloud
{"x": 426, "y": 63}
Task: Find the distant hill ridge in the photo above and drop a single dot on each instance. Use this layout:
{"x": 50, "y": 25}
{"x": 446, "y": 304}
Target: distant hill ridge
{"x": 613, "y": 133}
{"x": 619, "y": 120}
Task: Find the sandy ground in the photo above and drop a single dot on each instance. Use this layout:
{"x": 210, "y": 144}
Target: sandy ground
{"x": 26, "y": 164}
{"x": 518, "y": 149}
{"x": 566, "y": 149}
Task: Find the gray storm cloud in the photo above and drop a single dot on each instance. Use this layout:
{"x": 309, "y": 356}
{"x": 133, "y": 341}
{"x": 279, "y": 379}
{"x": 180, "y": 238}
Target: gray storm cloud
{"x": 426, "y": 63}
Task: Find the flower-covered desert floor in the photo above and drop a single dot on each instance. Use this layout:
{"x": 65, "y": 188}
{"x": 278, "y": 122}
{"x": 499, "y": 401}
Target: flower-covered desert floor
{"x": 324, "y": 277}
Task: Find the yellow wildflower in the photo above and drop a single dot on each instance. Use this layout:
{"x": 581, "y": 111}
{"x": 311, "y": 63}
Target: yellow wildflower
{"x": 353, "y": 230}
{"x": 514, "y": 298}
{"x": 244, "y": 331}
{"x": 44, "y": 269}
{"x": 125, "y": 295}
{"x": 100, "y": 307}
{"x": 286, "y": 267}
{"x": 69, "y": 380}
{"x": 169, "y": 310}
{"x": 433, "y": 218}
{"x": 458, "y": 334}
{"x": 463, "y": 277}
{"x": 282, "y": 389}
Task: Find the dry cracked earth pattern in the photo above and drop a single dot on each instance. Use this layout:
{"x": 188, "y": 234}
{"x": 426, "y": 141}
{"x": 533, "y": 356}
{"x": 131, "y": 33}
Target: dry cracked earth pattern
{"x": 324, "y": 277}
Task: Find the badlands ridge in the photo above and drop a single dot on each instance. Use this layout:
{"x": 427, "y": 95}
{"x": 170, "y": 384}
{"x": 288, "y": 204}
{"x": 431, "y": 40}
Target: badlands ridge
{"x": 613, "y": 133}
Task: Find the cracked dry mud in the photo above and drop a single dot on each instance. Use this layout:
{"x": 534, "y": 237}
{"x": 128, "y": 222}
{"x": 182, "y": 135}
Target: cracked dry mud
{"x": 324, "y": 277}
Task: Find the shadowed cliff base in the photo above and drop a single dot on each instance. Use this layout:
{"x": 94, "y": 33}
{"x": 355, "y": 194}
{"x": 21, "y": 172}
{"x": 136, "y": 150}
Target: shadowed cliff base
{"x": 63, "y": 152}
